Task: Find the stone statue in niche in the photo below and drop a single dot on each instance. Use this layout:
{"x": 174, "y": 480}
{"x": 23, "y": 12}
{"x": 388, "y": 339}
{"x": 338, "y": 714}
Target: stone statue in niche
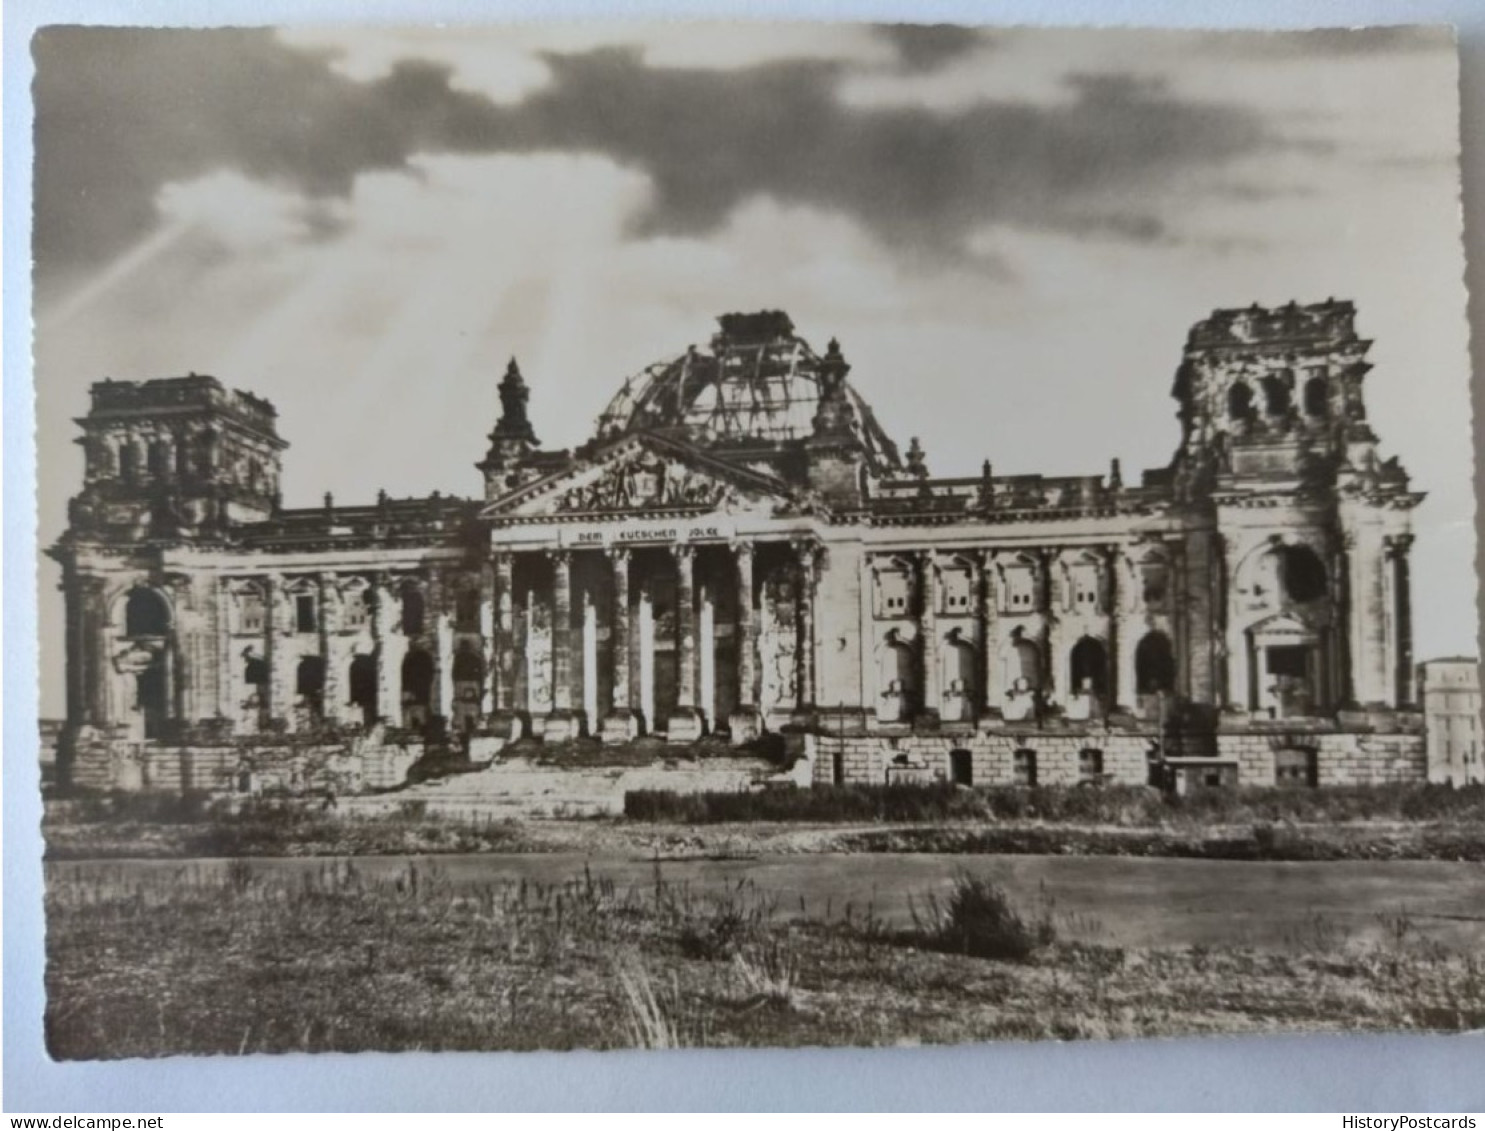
{"x": 1020, "y": 700}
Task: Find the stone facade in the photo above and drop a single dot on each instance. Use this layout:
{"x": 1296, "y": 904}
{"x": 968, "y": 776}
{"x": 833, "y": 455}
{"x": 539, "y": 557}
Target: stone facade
{"x": 741, "y": 548}
{"x": 1450, "y": 692}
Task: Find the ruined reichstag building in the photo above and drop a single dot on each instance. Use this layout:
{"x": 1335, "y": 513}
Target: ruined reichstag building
{"x": 742, "y": 552}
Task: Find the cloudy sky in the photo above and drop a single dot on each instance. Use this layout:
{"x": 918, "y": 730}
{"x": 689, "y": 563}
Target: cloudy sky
{"x": 1009, "y": 231}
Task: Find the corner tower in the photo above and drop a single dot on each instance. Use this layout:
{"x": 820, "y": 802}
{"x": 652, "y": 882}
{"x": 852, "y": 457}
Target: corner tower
{"x": 1313, "y": 525}
{"x": 177, "y": 457}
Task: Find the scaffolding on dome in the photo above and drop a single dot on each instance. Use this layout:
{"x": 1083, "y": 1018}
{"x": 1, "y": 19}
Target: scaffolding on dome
{"x": 745, "y": 391}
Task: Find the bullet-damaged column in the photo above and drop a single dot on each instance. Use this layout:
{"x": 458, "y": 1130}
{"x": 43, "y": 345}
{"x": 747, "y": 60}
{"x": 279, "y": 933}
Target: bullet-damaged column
{"x": 505, "y": 721}
{"x": 746, "y": 721}
{"x": 564, "y": 721}
{"x": 620, "y": 723}
{"x": 685, "y": 723}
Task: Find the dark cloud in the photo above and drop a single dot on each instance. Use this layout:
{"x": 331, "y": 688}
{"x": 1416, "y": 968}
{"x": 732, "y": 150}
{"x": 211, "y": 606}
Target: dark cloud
{"x": 122, "y": 112}
{"x": 927, "y": 47}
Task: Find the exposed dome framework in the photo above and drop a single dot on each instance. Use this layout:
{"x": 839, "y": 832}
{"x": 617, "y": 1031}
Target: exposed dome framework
{"x": 757, "y": 385}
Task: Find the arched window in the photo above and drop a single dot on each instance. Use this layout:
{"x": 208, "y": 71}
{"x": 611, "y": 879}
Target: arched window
{"x": 1276, "y": 400}
{"x": 362, "y": 682}
{"x": 898, "y": 694}
{"x": 467, "y": 609}
{"x": 412, "y": 610}
{"x": 146, "y": 614}
{"x": 1154, "y": 664}
{"x": 1089, "y": 665}
{"x": 1317, "y": 397}
{"x": 1240, "y": 402}
{"x": 468, "y": 667}
{"x": 160, "y": 459}
{"x": 254, "y": 671}
{"x": 206, "y": 452}
{"x": 417, "y": 677}
{"x": 1026, "y": 666}
{"x": 104, "y": 461}
{"x": 309, "y": 682}
{"x": 129, "y": 462}
{"x": 1303, "y": 574}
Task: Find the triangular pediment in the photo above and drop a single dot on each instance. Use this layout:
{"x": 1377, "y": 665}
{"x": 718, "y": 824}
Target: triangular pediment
{"x": 640, "y": 475}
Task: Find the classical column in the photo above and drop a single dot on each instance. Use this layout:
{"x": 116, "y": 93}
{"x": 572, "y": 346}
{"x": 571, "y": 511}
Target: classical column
{"x": 277, "y": 652}
{"x": 562, "y": 630}
{"x": 928, "y": 714}
{"x": 1123, "y": 693}
{"x": 620, "y": 725}
{"x": 646, "y": 658}
{"x": 226, "y": 667}
{"x": 707, "y": 656}
{"x": 685, "y": 724}
{"x": 1045, "y": 605}
{"x": 1400, "y": 615}
{"x": 805, "y": 690}
{"x": 443, "y": 650}
{"x": 746, "y": 722}
{"x": 563, "y": 722}
{"x": 486, "y": 614}
{"x": 590, "y": 656}
{"x": 94, "y": 652}
{"x": 388, "y": 663}
{"x": 330, "y": 693}
{"x": 503, "y": 720}
{"x": 989, "y": 636}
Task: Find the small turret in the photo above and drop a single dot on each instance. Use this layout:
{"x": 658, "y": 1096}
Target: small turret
{"x": 513, "y": 437}
{"x": 916, "y": 459}
{"x": 837, "y": 454}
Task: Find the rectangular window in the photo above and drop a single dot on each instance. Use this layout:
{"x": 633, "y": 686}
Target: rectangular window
{"x": 955, "y": 588}
{"x": 893, "y": 590}
{"x": 354, "y": 611}
{"x": 1090, "y": 764}
{"x": 1025, "y": 767}
{"x": 304, "y": 613}
{"x": 252, "y": 613}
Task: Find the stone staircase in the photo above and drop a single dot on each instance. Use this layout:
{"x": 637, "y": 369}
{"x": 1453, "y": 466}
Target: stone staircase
{"x": 519, "y": 788}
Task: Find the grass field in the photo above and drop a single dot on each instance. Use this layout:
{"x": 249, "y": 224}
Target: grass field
{"x": 1115, "y": 805}
{"x": 250, "y": 961}
{"x": 1420, "y": 822}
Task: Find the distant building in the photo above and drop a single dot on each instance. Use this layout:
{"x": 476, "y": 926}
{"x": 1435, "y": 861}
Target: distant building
{"x": 739, "y": 548}
{"x": 1450, "y": 690}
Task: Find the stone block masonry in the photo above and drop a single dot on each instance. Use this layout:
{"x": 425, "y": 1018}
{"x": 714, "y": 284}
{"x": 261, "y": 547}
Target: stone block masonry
{"x": 1048, "y": 758}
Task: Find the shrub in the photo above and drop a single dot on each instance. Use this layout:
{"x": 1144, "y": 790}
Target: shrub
{"x": 978, "y": 919}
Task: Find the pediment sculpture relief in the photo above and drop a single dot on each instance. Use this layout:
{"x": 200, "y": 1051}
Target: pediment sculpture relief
{"x": 644, "y": 482}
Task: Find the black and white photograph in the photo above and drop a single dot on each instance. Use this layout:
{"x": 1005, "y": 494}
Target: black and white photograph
{"x": 612, "y": 535}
